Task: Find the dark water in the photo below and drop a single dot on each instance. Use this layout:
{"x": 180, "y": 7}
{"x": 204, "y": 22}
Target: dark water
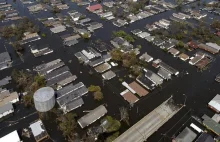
{"x": 199, "y": 87}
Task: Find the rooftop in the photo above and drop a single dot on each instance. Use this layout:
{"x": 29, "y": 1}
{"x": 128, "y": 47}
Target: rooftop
{"x": 215, "y": 103}
{"x": 138, "y": 89}
{"x": 95, "y": 7}
{"x": 6, "y": 107}
{"x": 4, "y": 57}
{"x": 38, "y": 130}
{"x": 92, "y": 116}
{"x": 211, "y": 124}
{"x": 11, "y": 137}
{"x": 128, "y": 96}
{"x": 187, "y": 135}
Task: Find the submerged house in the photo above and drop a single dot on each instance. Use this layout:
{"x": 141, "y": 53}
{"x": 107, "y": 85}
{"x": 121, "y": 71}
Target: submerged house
{"x": 94, "y": 8}
{"x": 153, "y": 77}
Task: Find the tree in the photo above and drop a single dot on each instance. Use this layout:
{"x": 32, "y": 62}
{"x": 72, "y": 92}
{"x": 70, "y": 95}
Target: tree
{"x": 40, "y": 80}
{"x": 7, "y": 32}
{"x": 56, "y": 10}
{"x": 110, "y": 124}
{"x": 139, "y": 46}
{"x": 116, "y": 54}
{"x": 112, "y": 137}
{"x": 28, "y": 100}
{"x": 2, "y": 17}
{"x": 67, "y": 124}
{"x": 124, "y": 35}
{"x": 98, "y": 95}
{"x": 86, "y": 36}
{"x": 17, "y": 46}
{"x": 124, "y": 114}
{"x": 93, "y": 88}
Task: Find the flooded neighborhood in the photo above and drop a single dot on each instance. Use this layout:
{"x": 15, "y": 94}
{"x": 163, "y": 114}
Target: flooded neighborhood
{"x": 109, "y": 70}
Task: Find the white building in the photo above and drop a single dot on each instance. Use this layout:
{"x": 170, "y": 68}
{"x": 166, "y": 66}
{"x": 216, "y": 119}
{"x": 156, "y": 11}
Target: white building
{"x": 11, "y": 137}
{"x": 6, "y": 109}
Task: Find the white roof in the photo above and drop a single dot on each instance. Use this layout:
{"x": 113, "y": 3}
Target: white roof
{"x": 215, "y": 102}
{"x": 36, "y": 128}
{"x": 11, "y": 137}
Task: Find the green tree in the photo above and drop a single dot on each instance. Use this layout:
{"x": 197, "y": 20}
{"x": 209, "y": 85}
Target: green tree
{"x": 56, "y": 10}
{"x": 93, "y": 88}
{"x": 110, "y": 124}
{"x": 67, "y": 124}
{"x": 98, "y": 95}
{"x": 112, "y": 137}
{"x": 86, "y": 36}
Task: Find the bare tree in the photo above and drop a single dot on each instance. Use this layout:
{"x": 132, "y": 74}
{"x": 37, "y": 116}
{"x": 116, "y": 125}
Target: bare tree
{"x": 124, "y": 114}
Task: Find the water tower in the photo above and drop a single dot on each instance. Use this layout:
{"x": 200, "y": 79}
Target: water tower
{"x": 44, "y": 99}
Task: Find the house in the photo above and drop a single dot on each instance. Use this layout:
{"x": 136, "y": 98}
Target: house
{"x": 120, "y": 22}
{"x": 143, "y": 34}
{"x": 210, "y": 124}
{"x": 102, "y": 68}
{"x": 108, "y": 75}
{"x": 138, "y": 89}
{"x": 215, "y": 103}
{"x": 39, "y": 131}
{"x": 106, "y": 14}
{"x": 58, "y": 29}
{"x": 136, "y": 31}
{"x": 173, "y": 51}
{"x": 6, "y": 109}
{"x": 109, "y": 4}
{"x": 156, "y": 63}
{"x": 132, "y": 18}
{"x": 183, "y": 57}
{"x": 164, "y": 74}
{"x": 196, "y": 59}
{"x": 73, "y": 105}
{"x": 128, "y": 96}
{"x": 153, "y": 77}
{"x": 192, "y": 44}
{"x": 211, "y": 49}
{"x": 168, "y": 68}
{"x": 151, "y": 27}
{"x": 166, "y": 45}
{"x": 187, "y": 135}
{"x": 118, "y": 42}
{"x": 146, "y": 57}
{"x": 94, "y": 8}
{"x": 145, "y": 82}
{"x": 5, "y": 60}
{"x": 11, "y": 137}
{"x": 213, "y": 45}
{"x": 8, "y": 97}
{"x": 94, "y": 26}
{"x": 92, "y": 116}
{"x": 150, "y": 38}
{"x": 205, "y": 137}
{"x": 158, "y": 41}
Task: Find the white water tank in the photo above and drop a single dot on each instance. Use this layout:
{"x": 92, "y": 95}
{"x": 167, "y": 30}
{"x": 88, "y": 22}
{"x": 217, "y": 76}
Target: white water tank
{"x": 44, "y": 99}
